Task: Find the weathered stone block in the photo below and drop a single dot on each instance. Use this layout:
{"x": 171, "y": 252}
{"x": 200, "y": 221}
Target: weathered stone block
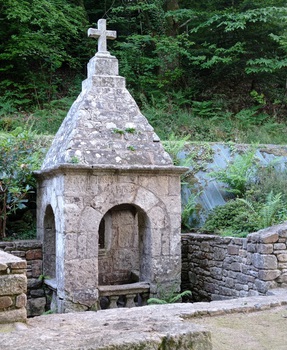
{"x": 242, "y": 253}
{"x": 265, "y": 248}
{"x": 21, "y": 301}
{"x": 269, "y": 237}
{"x": 34, "y": 283}
{"x": 279, "y": 246}
{"x": 268, "y": 262}
{"x": 5, "y": 302}
{"x": 3, "y": 267}
{"x": 238, "y": 241}
{"x": 282, "y": 258}
{"x": 268, "y": 275}
{"x": 229, "y": 282}
{"x": 19, "y": 253}
{"x": 282, "y": 231}
{"x": 243, "y": 293}
{"x": 192, "y": 277}
{"x": 261, "y": 286}
{"x": 11, "y": 316}
{"x": 18, "y": 265}
{"x": 282, "y": 278}
{"x": 253, "y": 293}
{"x": 36, "y": 307}
{"x": 251, "y": 247}
{"x": 86, "y": 297}
{"x": 37, "y": 293}
{"x": 36, "y": 268}
{"x": 233, "y": 250}
{"x": 13, "y": 284}
{"x": 219, "y": 253}
{"x": 35, "y": 254}
{"x": 235, "y": 266}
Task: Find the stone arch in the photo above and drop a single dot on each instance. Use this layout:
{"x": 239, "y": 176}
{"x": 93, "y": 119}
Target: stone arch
{"x": 49, "y": 243}
{"x": 128, "y": 193}
{"x": 123, "y": 236}
{"x": 152, "y": 224}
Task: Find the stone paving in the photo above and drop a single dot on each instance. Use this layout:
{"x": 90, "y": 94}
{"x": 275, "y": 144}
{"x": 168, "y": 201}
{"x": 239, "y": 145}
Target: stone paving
{"x": 170, "y": 326}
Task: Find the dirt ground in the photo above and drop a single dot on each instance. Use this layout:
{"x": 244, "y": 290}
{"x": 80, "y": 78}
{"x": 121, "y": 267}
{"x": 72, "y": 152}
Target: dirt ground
{"x": 261, "y": 330}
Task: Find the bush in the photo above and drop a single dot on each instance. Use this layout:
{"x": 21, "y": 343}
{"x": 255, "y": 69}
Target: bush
{"x": 235, "y": 217}
{"x": 21, "y": 154}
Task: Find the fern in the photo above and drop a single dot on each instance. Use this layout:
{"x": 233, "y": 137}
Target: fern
{"x": 169, "y": 299}
{"x": 238, "y": 174}
{"x": 270, "y": 208}
{"x": 174, "y": 146}
{"x": 189, "y": 209}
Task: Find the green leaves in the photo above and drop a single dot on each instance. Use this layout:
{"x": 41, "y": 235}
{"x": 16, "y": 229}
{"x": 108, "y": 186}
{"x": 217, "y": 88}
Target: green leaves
{"x": 37, "y": 39}
{"x": 265, "y": 65}
{"x": 20, "y": 155}
{"x": 169, "y": 298}
{"x": 233, "y": 20}
{"x": 238, "y": 174}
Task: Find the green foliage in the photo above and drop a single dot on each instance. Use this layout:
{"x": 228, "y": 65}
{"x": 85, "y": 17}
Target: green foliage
{"x": 38, "y": 43}
{"x": 239, "y": 174}
{"x": 264, "y": 204}
{"x": 233, "y": 217}
{"x": 20, "y": 156}
{"x": 169, "y": 298}
{"x": 269, "y": 212}
{"x": 175, "y": 146}
{"x": 188, "y": 211}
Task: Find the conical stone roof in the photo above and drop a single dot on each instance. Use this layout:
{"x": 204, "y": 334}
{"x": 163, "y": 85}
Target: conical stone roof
{"x": 104, "y": 126}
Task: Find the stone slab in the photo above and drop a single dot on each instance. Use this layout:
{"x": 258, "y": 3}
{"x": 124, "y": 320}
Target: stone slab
{"x": 147, "y": 328}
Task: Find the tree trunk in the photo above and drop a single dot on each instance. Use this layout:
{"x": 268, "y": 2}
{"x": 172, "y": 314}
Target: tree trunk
{"x": 171, "y": 5}
{"x": 3, "y": 215}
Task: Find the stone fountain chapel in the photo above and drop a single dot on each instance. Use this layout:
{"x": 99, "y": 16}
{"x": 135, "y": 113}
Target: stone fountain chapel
{"x": 109, "y": 206}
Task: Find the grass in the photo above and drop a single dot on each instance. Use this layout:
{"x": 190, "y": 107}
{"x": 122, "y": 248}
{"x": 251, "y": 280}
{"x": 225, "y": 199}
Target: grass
{"x": 219, "y": 127}
{"x": 204, "y": 122}
{"x": 208, "y": 121}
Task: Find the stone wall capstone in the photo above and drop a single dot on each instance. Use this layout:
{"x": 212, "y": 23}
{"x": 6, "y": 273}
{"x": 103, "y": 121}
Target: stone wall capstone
{"x": 31, "y": 252}
{"x": 13, "y": 288}
{"x": 215, "y": 267}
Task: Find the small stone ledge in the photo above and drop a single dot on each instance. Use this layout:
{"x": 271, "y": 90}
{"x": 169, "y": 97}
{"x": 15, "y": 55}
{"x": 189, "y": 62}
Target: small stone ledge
{"x": 123, "y": 289}
{"x": 104, "y": 168}
{"x": 134, "y": 294}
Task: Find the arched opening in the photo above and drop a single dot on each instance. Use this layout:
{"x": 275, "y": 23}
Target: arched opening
{"x": 123, "y": 238}
{"x": 49, "y": 246}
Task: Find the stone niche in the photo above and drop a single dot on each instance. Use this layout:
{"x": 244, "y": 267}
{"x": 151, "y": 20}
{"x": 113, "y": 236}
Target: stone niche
{"x": 109, "y": 207}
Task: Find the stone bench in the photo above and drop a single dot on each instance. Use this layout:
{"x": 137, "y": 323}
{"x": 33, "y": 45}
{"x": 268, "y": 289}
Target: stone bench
{"x": 124, "y": 295}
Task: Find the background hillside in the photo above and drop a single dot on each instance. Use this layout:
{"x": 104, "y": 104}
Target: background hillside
{"x": 214, "y": 70}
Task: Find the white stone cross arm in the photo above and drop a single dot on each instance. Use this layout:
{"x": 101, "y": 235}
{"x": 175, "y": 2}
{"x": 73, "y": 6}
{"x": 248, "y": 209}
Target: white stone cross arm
{"x": 103, "y": 34}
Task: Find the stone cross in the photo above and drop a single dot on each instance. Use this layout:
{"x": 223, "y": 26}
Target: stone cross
{"x": 103, "y": 34}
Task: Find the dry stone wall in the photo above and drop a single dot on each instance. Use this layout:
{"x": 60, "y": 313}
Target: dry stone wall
{"x": 13, "y": 288}
{"x": 31, "y": 252}
{"x": 216, "y": 267}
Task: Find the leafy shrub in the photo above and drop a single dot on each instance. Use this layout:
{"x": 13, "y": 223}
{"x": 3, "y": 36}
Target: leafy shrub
{"x": 20, "y": 155}
{"x": 234, "y": 217}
